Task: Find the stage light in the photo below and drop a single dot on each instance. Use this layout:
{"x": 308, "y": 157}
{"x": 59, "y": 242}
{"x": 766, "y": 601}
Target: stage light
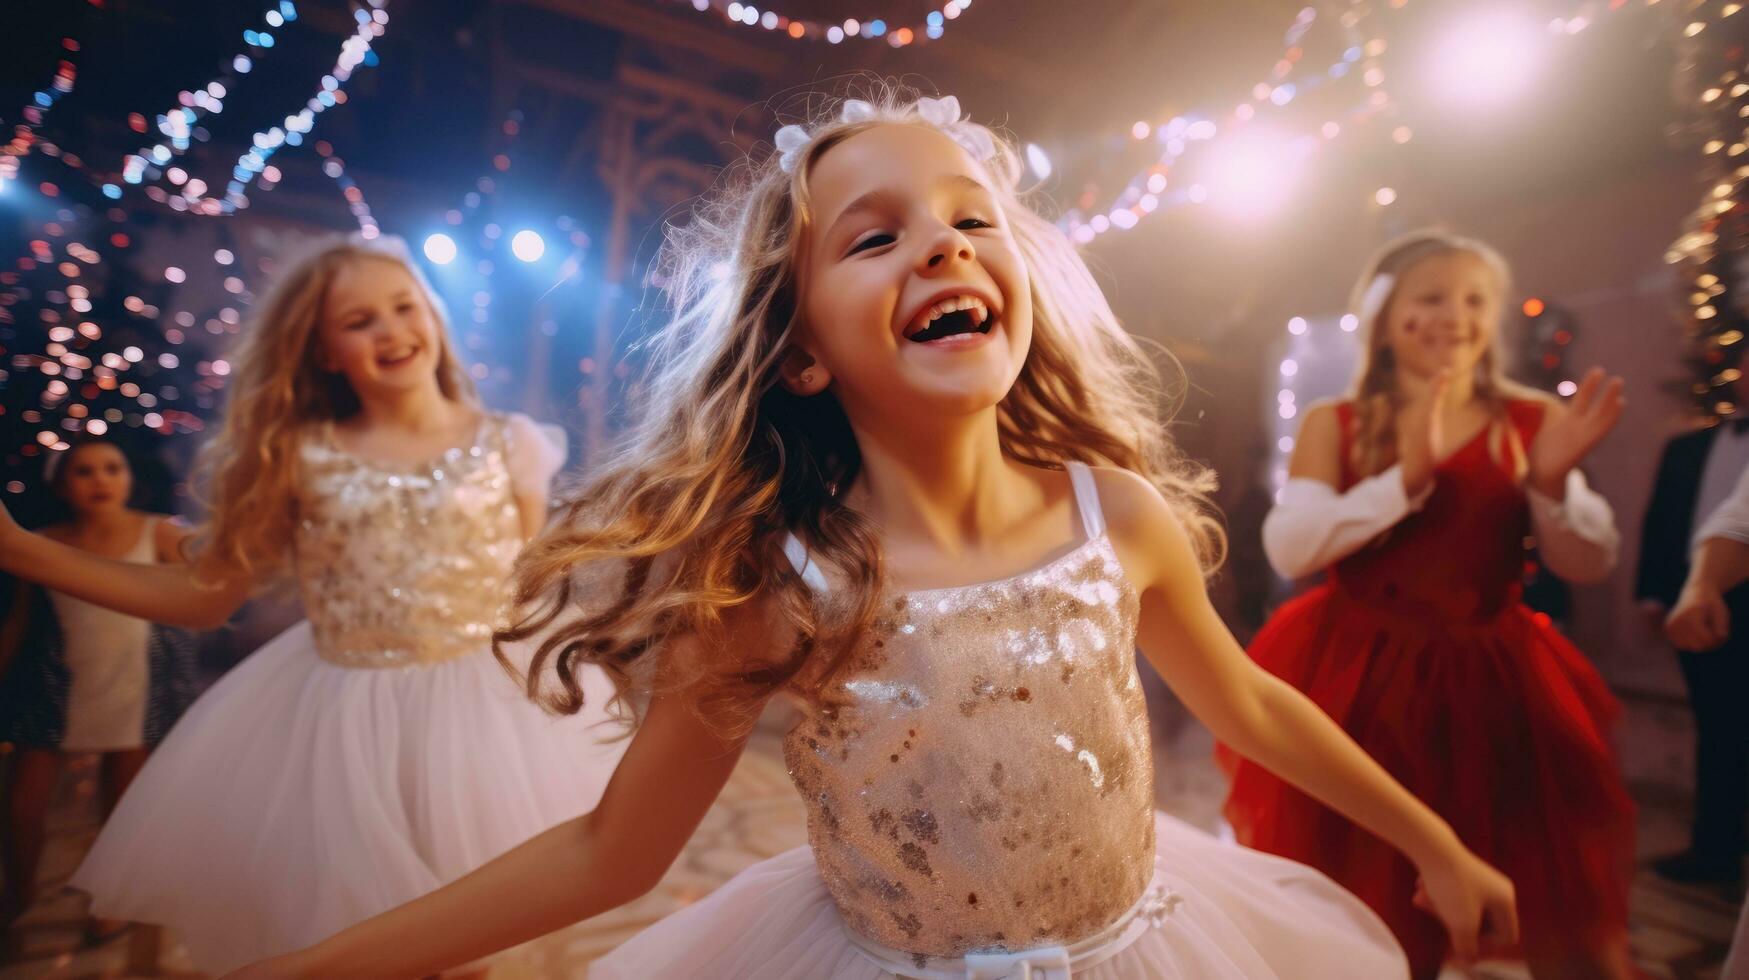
{"x": 1487, "y": 59}
{"x": 1251, "y": 174}
{"x": 528, "y": 246}
{"x": 440, "y": 248}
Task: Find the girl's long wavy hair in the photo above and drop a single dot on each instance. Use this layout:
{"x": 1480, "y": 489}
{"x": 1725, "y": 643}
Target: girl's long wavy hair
{"x": 686, "y": 521}
{"x": 248, "y": 474}
{"x": 1374, "y": 391}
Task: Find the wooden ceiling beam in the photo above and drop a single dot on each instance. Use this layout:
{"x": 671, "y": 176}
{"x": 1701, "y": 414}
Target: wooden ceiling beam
{"x": 647, "y": 22}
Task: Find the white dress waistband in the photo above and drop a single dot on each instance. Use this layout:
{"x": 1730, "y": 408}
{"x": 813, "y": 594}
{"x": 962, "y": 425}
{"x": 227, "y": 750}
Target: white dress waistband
{"x": 1039, "y": 963}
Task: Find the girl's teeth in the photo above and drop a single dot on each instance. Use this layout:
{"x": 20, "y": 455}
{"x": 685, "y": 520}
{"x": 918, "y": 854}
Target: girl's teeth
{"x": 979, "y": 311}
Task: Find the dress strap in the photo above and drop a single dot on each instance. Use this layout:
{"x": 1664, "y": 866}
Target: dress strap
{"x": 797, "y": 553}
{"x": 1086, "y": 498}
{"x": 146, "y": 548}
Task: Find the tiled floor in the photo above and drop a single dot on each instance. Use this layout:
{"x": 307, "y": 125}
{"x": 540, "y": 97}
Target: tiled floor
{"x": 1678, "y": 932}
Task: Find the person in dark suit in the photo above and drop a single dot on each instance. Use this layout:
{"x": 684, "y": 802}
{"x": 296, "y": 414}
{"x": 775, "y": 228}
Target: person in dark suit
{"x": 1695, "y": 476}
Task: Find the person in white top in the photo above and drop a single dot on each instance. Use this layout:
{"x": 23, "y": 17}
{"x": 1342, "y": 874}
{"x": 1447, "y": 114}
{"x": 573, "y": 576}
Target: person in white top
{"x": 1720, "y": 561}
{"x": 102, "y": 702}
{"x": 1701, "y": 620}
{"x": 1695, "y": 474}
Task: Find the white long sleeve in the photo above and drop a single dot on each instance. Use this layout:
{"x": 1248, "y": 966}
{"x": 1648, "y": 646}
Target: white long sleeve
{"x": 1577, "y": 537}
{"x": 1729, "y": 519}
{"x": 1312, "y": 526}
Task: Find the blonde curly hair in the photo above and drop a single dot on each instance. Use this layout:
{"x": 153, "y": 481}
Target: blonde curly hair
{"x": 687, "y": 520}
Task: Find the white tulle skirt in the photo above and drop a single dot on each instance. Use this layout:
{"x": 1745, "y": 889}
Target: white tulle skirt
{"x": 1238, "y": 914}
{"x": 297, "y": 797}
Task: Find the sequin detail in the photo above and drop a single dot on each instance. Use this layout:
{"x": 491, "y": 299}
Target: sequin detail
{"x": 981, "y": 781}
{"x": 405, "y": 565}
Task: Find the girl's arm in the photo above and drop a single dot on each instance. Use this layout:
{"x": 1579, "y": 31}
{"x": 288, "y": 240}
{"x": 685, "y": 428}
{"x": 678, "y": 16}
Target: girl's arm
{"x": 1575, "y": 526}
{"x": 672, "y": 771}
{"x": 1268, "y": 721}
{"x": 161, "y": 593}
{"x": 1312, "y": 525}
{"x": 1575, "y": 533}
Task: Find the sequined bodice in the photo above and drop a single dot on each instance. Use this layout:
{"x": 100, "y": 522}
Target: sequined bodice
{"x": 405, "y": 564}
{"x": 980, "y": 780}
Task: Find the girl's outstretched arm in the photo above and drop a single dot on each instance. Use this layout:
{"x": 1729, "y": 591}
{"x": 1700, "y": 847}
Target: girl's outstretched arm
{"x": 1268, "y": 721}
{"x": 671, "y": 773}
{"x": 164, "y": 593}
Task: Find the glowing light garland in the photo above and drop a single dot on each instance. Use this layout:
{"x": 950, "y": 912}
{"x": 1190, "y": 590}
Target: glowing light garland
{"x": 180, "y": 125}
{"x": 372, "y": 21}
{"x": 1154, "y": 187}
{"x": 24, "y": 136}
{"x": 1712, "y": 254}
{"x": 79, "y": 376}
{"x": 932, "y": 27}
{"x": 335, "y": 167}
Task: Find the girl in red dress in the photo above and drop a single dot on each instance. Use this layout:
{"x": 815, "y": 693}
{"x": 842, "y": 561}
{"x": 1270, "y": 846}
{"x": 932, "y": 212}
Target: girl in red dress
{"x": 1417, "y": 493}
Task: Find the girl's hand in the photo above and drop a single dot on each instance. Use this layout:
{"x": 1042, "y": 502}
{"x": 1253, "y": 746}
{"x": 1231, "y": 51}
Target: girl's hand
{"x": 1421, "y": 442}
{"x": 1570, "y": 435}
{"x": 1476, "y": 903}
{"x": 1700, "y": 621}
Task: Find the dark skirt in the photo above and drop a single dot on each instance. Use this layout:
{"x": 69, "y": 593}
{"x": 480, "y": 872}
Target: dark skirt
{"x": 35, "y": 690}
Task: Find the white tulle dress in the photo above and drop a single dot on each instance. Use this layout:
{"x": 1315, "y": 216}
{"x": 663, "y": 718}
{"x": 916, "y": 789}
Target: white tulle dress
{"x": 372, "y": 752}
{"x": 980, "y": 805}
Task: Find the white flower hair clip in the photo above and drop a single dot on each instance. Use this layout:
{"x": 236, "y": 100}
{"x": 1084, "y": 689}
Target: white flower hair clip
{"x": 1372, "y": 302}
{"x": 942, "y": 113}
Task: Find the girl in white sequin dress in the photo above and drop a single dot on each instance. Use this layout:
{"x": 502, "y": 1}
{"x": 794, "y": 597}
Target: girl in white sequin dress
{"x": 377, "y": 750}
{"x": 884, "y": 378}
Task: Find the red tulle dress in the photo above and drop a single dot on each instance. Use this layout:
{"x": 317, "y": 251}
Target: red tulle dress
{"x": 1420, "y": 647}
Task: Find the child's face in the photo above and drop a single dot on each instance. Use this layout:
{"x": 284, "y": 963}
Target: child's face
{"x": 97, "y": 479}
{"x": 377, "y": 328}
{"x": 915, "y": 300}
{"x": 1444, "y": 314}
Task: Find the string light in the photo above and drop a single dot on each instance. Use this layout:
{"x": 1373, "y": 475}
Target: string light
{"x": 335, "y": 167}
{"x": 876, "y": 29}
{"x": 372, "y": 21}
{"x": 24, "y": 136}
{"x": 1288, "y": 82}
{"x": 1712, "y": 252}
{"x": 180, "y": 125}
